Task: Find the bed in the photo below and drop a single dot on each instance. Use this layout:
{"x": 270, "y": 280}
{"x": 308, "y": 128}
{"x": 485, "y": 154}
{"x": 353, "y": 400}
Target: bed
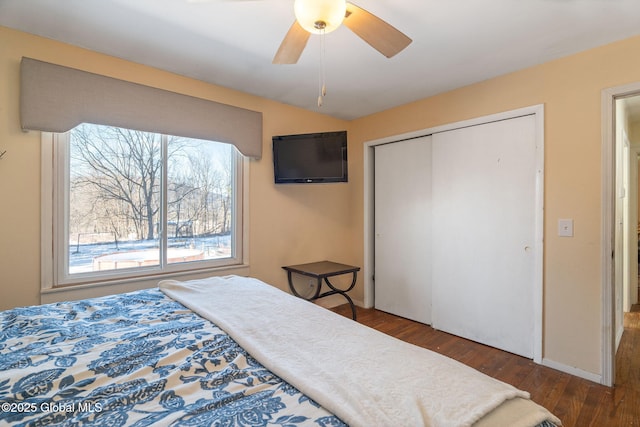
{"x": 231, "y": 351}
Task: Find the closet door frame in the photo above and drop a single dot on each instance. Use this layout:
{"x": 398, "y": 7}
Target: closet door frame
{"x": 369, "y": 239}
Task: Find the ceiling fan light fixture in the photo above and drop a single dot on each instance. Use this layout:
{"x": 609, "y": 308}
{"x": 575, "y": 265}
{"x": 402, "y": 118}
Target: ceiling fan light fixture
{"x": 320, "y": 16}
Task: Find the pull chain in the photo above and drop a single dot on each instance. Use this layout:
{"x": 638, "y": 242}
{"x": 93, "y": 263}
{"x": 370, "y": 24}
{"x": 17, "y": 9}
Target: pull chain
{"x": 322, "y": 89}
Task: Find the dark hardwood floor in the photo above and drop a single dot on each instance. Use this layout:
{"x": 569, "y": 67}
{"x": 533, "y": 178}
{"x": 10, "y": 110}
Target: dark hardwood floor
{"x": 577, "y": 402}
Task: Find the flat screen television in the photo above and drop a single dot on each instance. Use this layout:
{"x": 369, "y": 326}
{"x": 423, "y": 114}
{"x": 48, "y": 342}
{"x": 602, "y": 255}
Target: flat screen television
{"x": 309, "y": 158}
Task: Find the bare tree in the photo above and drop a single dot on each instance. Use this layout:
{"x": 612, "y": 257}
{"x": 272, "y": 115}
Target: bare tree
{"x": 185, "y": 184}
{"x": 116, "y": 177}
{"x": 213, "y": 197}
{"x": 224, "y": 191}
{"x": 202, "y": 174}
{"x": 119, "y": 165}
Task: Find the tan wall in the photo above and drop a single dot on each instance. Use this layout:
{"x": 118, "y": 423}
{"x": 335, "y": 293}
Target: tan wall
{"x": 570, "y": 88}
{"x": 288, "y": 224}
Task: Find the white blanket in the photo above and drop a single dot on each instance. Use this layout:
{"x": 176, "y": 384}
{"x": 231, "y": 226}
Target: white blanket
{"x": 363, "y": 376}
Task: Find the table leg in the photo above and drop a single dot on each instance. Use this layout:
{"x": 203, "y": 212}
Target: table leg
{"x": 294, "y": 292}
{"x": 335, "y": 290}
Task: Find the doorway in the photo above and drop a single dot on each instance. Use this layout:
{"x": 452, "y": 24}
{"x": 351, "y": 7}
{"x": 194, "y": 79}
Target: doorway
{"x": 620, "y": 257}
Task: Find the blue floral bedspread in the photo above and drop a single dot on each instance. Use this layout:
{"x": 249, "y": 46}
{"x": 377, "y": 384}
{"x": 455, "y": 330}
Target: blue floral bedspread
{"x": 137, "y": 359}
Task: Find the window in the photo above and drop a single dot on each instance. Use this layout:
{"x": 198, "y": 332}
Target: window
{"x": 127, "y": 203}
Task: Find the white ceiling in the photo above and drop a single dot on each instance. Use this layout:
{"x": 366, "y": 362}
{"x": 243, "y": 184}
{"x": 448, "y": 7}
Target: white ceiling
{"x": 232, "y": 42}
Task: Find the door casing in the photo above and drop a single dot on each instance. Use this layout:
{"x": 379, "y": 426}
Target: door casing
{"x": 608, "y": 224}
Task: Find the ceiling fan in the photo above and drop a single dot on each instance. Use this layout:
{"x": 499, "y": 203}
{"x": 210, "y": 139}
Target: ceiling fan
{"x": 324, "y": 16}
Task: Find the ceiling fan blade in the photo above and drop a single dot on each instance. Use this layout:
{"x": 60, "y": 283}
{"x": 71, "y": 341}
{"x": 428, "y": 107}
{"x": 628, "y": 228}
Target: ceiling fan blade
{"x": 292, "y": 46}
{"x": 382, "y": 36}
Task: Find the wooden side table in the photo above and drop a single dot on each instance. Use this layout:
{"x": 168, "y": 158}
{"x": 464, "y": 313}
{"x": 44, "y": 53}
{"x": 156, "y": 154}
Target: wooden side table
{"x": 321, "y": 271}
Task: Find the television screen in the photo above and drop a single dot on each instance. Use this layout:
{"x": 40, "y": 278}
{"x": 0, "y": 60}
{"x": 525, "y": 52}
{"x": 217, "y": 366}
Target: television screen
{"x": 314, "y": 157}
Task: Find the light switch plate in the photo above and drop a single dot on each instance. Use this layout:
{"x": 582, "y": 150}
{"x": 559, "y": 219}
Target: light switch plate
{"x": 565, "y": 227}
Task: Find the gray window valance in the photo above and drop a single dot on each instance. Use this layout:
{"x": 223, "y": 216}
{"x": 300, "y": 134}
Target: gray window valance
{"x": 54, "y": 98}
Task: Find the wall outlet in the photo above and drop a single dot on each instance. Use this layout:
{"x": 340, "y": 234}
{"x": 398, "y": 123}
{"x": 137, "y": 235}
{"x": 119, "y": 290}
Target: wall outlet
{"x": 565, "y": 227}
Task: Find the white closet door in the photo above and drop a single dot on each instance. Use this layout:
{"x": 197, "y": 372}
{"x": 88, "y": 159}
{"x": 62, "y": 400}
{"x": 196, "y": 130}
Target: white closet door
{"x": 484, "y": 192}
{"x": 403, "y": 228}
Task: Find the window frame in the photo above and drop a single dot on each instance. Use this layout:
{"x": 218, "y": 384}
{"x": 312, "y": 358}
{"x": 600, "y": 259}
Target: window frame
{"x": 54, "y": 232}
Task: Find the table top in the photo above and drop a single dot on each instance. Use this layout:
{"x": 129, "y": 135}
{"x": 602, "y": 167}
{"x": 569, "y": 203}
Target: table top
{"x": 322, "y": 269}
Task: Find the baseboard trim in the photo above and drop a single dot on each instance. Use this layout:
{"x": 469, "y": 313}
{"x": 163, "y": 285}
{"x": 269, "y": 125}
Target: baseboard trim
{"x": 572, "y": 370}
{"x": 619, "y": 337}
